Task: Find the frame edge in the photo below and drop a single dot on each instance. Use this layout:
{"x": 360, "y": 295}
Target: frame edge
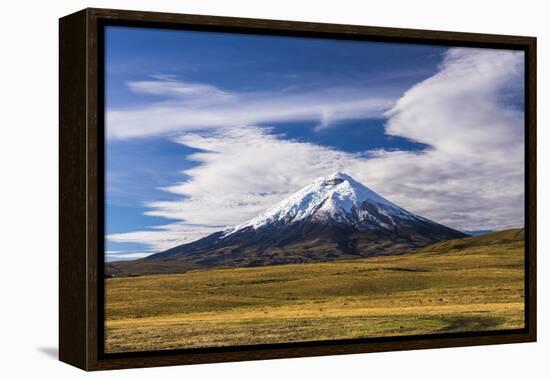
{"x": 531, "y": 176}
{"x": 72, "y": 193}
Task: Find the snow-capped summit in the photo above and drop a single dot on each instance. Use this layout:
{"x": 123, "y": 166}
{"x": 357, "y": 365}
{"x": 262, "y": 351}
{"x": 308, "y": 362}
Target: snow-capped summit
{"x": 333, "y": 198}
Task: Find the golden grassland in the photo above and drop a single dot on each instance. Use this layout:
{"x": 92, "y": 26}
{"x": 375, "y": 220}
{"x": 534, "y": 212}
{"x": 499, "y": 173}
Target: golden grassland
{"x": 473, "y": 284}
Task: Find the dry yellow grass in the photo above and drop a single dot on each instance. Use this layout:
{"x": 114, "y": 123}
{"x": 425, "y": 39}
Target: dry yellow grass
{"x": 474, "y": 285}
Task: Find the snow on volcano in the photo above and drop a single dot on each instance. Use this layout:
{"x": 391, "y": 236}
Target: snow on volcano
{"x": 334, "y": 198}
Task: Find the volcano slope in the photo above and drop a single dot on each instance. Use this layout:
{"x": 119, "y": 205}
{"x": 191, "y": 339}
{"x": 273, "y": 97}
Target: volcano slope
{"x": 332, "y": 218}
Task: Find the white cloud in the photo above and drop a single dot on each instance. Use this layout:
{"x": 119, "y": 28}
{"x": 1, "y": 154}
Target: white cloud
{"x": 243, "y": 171}
{"x": 162, "y": 237}
{"x": 122, "y": 255}
{"x": 470, "y": 178}
{"x": 193, "y": 106}
{"x": 473, "y": 177}
{"x": 169, "y": 86}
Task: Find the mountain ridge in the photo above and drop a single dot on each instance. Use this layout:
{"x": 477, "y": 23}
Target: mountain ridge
{"x": 335, "y": 217}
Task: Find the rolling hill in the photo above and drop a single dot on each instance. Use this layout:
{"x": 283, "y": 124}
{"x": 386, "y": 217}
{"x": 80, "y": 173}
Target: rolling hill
{"x": 470, "y": 284}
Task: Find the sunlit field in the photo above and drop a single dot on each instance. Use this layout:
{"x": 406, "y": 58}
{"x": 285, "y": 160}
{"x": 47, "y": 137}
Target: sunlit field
{"x": 473, "y": 284}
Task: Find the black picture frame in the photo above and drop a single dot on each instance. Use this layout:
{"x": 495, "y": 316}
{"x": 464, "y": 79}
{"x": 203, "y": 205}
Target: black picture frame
{"x": 81, "y": 198}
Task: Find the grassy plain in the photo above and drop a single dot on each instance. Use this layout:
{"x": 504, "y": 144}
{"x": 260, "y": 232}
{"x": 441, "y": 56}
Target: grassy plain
{"x": 472, "y": 284}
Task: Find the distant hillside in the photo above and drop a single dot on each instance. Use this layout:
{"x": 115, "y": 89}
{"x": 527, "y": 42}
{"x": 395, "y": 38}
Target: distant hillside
{"x": 505, "y": 237}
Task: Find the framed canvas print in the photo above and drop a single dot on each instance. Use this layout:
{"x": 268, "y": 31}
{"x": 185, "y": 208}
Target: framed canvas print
{"x": 238, "y": 189}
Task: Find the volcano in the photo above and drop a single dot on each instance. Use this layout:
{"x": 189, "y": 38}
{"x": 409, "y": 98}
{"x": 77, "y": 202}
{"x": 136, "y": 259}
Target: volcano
{"x": 333, "y": 218}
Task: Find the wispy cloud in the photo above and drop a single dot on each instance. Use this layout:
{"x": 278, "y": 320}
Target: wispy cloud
{"x": 195, "y": 106}
{"x": 162, "y": 237}
{"x": 471, "y": 177}
{"x": 123, "y": 255}
{"x": 168, "y": 86}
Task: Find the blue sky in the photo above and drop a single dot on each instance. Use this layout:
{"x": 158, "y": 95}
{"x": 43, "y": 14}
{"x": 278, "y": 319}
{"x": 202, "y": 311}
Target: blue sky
{"x": 181, "y": 105}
